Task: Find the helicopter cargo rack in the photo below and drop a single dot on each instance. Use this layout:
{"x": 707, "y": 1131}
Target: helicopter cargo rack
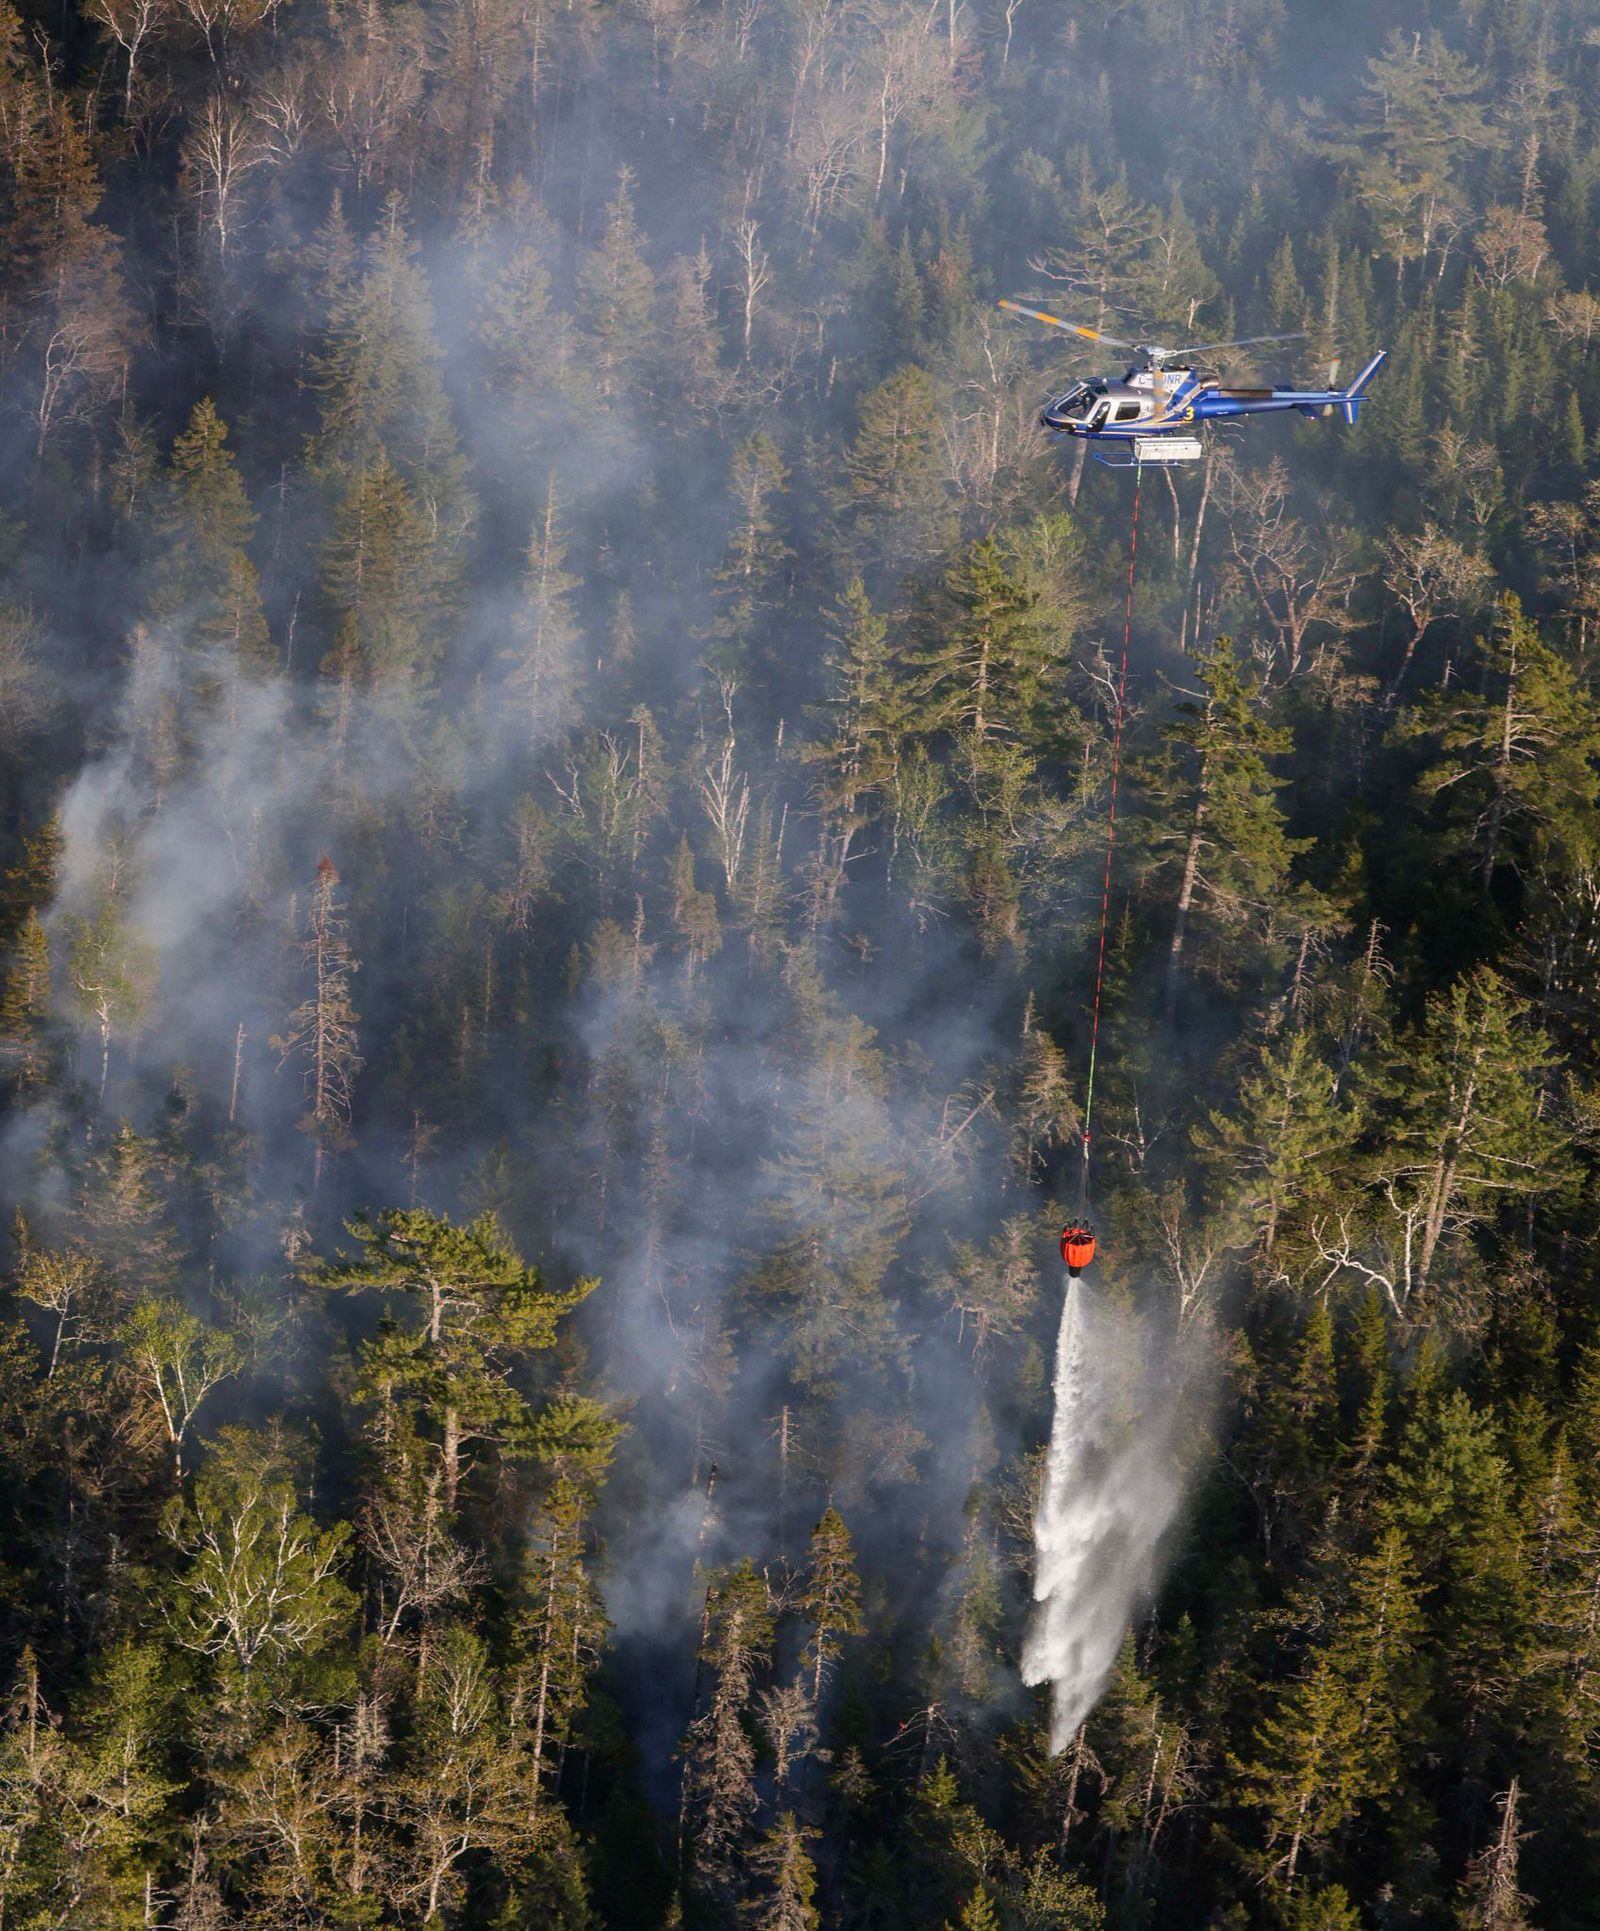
{"x": 1145, "y": 450}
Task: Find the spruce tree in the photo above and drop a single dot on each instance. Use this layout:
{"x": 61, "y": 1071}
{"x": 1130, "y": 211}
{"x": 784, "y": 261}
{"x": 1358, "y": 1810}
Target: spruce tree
{"x": 894, "y": 494}
{"x": 25, "y": 1009}
{"x": 616, "y": 292}
{"x": 321, "y": 1035}
{"x": 1217, "y": 833}
{"x": 204, "y": 580}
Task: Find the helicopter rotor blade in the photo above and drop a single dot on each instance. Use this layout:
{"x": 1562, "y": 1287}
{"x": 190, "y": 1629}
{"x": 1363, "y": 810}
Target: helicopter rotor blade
{"x": 1243, "y": 342}
{"x": 1071, "y": 328}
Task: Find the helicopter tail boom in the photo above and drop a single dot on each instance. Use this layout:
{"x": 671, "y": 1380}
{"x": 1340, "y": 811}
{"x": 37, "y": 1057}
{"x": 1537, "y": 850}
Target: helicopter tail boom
{"x": 1350, "y": 401}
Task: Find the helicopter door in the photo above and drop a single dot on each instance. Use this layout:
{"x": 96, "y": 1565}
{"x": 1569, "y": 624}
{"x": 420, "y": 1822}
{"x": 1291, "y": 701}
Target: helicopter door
{"x": 1099, "y": 415}
{"x": 1129, "y": 411}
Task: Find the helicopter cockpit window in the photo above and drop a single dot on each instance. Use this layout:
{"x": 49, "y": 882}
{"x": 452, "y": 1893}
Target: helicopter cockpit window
{"x": 1127, "y": 412}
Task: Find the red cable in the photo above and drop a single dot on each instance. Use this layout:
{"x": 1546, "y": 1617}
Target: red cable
{"x": 1111, "y": 838}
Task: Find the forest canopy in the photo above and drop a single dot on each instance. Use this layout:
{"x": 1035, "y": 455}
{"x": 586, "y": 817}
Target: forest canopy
{"x": 558, "y": 713}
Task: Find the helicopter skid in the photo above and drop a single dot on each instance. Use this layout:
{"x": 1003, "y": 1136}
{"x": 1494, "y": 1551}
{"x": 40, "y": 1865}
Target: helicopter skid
{"x": 1143, "y": 450}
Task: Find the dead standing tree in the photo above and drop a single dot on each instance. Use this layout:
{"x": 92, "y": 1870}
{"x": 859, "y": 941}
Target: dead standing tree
{"x": 1299, "y": 576}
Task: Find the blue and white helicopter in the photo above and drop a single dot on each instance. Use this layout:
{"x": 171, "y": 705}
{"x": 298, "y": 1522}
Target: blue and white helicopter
{"x": 1151, "y": 414}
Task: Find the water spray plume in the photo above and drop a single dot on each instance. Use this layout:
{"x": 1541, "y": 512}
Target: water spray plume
{"x": 1112, "y": 1487}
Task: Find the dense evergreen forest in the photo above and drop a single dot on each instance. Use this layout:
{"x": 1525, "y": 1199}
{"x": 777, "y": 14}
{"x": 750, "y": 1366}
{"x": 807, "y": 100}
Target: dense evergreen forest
{"x": 557, "y": 714}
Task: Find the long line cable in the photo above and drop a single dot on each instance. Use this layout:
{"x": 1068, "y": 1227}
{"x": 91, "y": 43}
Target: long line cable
{"x": 1111, "y": 842}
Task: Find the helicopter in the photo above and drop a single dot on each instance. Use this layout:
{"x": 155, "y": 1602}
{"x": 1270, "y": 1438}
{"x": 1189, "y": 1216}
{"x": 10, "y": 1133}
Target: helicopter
{"x": 1150, "y": 415}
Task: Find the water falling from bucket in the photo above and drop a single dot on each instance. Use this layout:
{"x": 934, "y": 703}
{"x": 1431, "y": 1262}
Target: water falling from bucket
{"x": 1112, "y": 1487}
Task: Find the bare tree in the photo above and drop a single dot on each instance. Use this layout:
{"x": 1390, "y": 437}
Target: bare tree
{"x": 132, "y": 24}
{"x": 755, "y": 272}
{"x": 725, "y": 795}
{"x": 1433, "y": 578}
{"x": 1300, "y": 577}
{"x": 224, "y": 145}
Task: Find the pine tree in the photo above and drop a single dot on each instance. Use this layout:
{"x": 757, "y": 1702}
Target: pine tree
{"x": 475, "y": 1310}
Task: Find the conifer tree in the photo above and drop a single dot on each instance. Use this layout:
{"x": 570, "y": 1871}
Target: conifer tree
{"x": 321, "y": 1036}
{"x": 1280, "y": 1139}
{"x": 384, "y": 399}
{"x": 719, "y": 1759}
{"x": 380, "y": 586}
{"x": 837, "y": 1209}
{"x": 861, "y": 727}
{"x": 1466, "y": 1122}
{"x": 832, "y": 1599}
{"x": 124, "y": 1216}
{"x": 894, "y": 492}
{"x": 1519, "y": 767}
{"x": 475, "y": 1309}
{"x": 1221, "y": 829}
{"x": 204, "y": 578}
{"x": 563, "y": 1623}
{"x": 616, "y": 293}
{"x": 986, "y": 676}
{"x": 25, "y": 1008}
{"x": 784, "y": 1869}
{"x": 542, "y": 655}
{"x": 749, "y": 590}
{"x": 694, "y": 912}
{"x": 30, "y": 884}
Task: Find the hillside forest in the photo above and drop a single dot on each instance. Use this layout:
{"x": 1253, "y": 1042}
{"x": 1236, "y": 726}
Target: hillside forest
{"x": 557, "y": 714}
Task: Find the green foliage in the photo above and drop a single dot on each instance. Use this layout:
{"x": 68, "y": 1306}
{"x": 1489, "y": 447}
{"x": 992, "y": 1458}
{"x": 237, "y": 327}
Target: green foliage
{"x": 204, "y": 580}
{"x": 564, "y": 460}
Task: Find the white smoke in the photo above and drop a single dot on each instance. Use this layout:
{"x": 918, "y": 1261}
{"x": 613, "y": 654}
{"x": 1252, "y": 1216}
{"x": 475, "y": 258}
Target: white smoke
{"x": 1112, "y": 1487}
